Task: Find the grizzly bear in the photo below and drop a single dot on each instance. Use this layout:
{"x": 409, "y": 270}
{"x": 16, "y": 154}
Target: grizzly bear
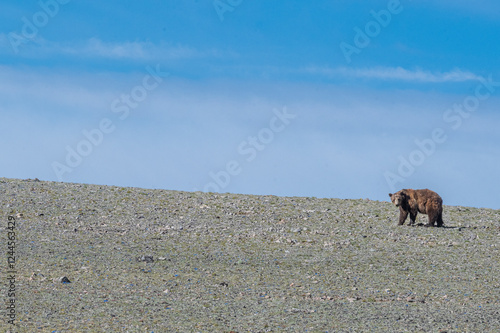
{"x": 419, "y": 201}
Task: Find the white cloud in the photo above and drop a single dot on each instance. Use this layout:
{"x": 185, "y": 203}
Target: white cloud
{"x": 395, "y": 73}
{"x": 97, "y": 48}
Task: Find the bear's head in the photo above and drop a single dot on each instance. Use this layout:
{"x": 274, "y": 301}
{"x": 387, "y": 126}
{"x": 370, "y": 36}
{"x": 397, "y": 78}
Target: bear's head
{"x": 398, "y": 198}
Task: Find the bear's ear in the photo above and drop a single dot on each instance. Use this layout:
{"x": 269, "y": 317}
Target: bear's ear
{"x": 390, "y": 194}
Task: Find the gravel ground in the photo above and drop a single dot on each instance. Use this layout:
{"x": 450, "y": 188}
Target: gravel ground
{"x": 142, "y": 260}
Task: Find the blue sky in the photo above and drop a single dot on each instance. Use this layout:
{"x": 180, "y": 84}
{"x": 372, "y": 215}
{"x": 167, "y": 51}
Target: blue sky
{"x": 344, "y": 99}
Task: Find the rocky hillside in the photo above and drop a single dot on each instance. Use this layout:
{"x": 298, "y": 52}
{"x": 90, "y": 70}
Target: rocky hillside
{"x": 92, "y": 258}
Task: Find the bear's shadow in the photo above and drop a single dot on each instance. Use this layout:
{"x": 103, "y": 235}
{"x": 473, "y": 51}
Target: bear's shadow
{"x": 444, "y": 226}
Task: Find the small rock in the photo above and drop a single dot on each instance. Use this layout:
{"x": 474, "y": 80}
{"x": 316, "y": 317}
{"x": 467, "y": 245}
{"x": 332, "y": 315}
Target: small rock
{"x": 63, "y": 279}
{"x": 146, "y": 259}
{"x": 35, "y": 276}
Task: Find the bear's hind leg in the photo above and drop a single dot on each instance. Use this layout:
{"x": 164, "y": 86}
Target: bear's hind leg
{"x": 432, "y": 219}
{"x": 440, "y": 220}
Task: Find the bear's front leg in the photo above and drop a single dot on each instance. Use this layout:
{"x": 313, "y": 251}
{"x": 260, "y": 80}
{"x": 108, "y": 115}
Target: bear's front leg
{"x": 413, "y": 216}
{"x": 403, "y": 214}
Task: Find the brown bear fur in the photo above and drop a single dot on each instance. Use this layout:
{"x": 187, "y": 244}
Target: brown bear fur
{"x": 419, "y": 201}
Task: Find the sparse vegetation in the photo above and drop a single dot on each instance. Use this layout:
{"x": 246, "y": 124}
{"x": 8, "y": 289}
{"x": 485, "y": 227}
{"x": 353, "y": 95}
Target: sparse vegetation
{"x": 226, "y": 262}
